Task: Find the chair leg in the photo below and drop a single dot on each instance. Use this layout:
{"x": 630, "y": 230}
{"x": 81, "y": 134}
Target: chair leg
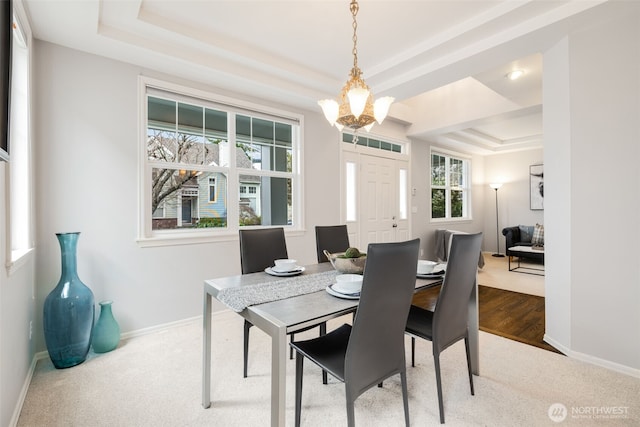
{"x": 466, "y": 345}
{"x": 405, "y": 398}
{"x": 293, "y": 336}
{"x": 436, "y": 360}
{"x": 247, "y": 326}
{"x": 323, "y": 331}
{"x": 299, "y": 360}
{"x": 413, "y": 352}
{"x": 351, "y": 419}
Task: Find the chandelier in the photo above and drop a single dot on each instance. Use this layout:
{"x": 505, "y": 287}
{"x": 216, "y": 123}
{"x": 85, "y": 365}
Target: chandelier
{"x": 355, "y": 107}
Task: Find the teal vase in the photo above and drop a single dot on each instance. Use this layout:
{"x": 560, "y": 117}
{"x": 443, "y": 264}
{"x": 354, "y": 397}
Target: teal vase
{"x": 106, "y": 333}
{"x": 69, "y": 311}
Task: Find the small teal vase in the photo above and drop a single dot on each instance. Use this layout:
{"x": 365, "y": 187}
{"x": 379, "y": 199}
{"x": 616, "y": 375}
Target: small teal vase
{"x": 106, "y": 333}
{"x": 69, "y": 310}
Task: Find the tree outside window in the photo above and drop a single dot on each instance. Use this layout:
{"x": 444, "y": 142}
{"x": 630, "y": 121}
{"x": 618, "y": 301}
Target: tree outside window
{"x": 449, "y": 187}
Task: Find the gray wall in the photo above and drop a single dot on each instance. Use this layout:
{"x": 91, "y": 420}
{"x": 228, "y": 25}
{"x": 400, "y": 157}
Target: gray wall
{"x": 592, "y": 201}
{"x": 16, "y": 312}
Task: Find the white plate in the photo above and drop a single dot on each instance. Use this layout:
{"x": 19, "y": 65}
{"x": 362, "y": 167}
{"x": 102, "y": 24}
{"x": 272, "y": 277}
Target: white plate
{"x": 298, "y": 270}
{"x": 430, "y": 276}
{"x": 335, "y": 293}
{"x": 342, "y": 288}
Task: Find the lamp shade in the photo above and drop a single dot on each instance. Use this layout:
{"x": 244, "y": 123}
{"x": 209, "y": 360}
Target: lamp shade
{"x": 381, "y": 108}
{"x": 357, "y": 100}
{"x": 330, "y": 108}
{"x": 495, "y": 185}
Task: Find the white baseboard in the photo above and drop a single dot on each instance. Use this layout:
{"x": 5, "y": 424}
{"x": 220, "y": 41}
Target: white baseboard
{"x": 613, "y": 366}
{"x": 23, "y": 393}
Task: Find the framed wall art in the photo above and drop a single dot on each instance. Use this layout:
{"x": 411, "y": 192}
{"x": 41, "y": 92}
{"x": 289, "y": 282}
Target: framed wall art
{"x": 536, "y": 187}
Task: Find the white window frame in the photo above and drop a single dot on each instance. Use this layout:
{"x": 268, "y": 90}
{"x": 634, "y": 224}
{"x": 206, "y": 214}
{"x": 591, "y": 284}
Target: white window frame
{"x": 465, "y": 188}
{"x": 20, "y": 241}
{"x": 148, "y": 237}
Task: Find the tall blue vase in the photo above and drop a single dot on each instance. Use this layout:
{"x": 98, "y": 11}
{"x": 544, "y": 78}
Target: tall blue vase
{"x": 68, "y": 310}
{"x": 106, "y": 333}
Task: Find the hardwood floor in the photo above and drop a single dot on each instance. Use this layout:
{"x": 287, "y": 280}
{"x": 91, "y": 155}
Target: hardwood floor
{"x": 509, "y": 314}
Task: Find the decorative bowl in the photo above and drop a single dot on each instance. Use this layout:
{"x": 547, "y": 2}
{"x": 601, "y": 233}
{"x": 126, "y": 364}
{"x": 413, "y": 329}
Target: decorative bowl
{"x": 346, "y": 265}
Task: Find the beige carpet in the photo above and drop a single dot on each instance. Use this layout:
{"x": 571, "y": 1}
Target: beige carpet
{"x": 155, "y": 380}
{"x": 496, "y": 274}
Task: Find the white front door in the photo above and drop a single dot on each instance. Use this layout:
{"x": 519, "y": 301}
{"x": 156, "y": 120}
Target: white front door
{"x": 381, "y": 200}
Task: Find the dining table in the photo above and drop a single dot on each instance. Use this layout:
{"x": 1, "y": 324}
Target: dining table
{"x": 279, "y": 313}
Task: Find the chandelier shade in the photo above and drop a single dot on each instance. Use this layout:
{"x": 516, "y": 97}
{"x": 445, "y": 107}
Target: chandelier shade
{"x": 355, "y": 107}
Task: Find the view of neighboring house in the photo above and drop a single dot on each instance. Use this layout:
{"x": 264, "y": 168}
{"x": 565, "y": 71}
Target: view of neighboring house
{"x": 188, "y": 147}
{"x": 194, "y": 198}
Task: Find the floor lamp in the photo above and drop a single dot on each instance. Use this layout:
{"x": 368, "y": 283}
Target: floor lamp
{"x": 497, "y": 254}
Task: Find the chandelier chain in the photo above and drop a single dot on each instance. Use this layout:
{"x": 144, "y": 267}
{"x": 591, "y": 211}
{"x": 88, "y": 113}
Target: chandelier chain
{"x": 354, "y": 11}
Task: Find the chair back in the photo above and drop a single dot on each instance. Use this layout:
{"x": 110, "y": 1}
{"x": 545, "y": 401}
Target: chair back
{"x": 332, "y": 238}
{"x": 451, "y": 315}
{"x": 259, "y": 247}
{"x": 376, "y": 345}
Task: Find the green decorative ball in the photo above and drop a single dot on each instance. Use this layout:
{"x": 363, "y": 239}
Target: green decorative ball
{"x": 352, "y": 253}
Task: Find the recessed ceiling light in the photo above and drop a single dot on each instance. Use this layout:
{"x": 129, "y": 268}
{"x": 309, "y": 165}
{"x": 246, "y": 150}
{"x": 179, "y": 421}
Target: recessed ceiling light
{"x": 515, "y": 74}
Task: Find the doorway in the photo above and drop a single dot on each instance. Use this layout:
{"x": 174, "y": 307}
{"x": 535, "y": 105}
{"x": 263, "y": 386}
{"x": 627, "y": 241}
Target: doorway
{"x": 375, "y": 192}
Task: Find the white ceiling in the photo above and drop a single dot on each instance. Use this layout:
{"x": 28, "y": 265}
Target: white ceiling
{"x": 444, "y": 61}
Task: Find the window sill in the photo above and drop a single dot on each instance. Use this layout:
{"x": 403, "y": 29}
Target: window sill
{"x": 177, "y": 239}
{"x": 449, "y": 220}
{"x": 18, "y": 259}
{"x": 181, "y": 239}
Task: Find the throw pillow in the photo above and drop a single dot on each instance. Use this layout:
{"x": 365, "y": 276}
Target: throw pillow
{"x": 538, "y": 235}
{"x": 526, "y": 233}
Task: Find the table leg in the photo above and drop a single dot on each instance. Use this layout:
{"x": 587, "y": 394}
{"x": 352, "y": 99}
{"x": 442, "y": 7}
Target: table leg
{"x": 474, "y": 327}
{"x": 278, "y": 376}
{"x": 206, "y": 351}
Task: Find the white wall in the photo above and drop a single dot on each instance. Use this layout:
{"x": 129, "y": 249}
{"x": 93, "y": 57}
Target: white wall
{"x": 511, "y": 169}
{"x": 592, "y": 86}
{"x": 87, "y": 163}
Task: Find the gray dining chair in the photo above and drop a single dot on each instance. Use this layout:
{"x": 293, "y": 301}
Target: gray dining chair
{"x": 371, "y": 350}
{"x": 258, "y": 249}
{"x": 332, "y": 238}
{"x": 447, "y": 324}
